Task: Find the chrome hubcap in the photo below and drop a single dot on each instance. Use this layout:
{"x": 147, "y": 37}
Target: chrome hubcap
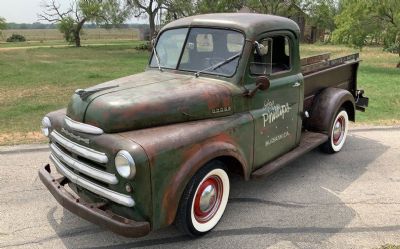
{"x": 208, "y": 199}
{"x": 338, "y": 130}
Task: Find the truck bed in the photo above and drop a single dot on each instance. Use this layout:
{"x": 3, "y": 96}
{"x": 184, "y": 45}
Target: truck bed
{"x": 321, "y": 72}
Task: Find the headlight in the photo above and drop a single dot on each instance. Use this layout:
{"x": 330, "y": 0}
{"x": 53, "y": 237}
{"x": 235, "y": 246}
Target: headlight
{"x": 46, "y": 125}
{"x": 125, "y": 164}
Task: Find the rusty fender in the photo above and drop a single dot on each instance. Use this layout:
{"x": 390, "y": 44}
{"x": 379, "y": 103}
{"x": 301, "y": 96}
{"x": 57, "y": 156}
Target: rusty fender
{"x": 326, "y": 105}
{"x": 176, "y": 152}
{"x": 204, "y": 153}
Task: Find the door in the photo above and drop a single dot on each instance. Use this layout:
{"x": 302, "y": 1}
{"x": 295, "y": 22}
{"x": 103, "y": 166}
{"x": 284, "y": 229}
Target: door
{"x": 275, "y": 110}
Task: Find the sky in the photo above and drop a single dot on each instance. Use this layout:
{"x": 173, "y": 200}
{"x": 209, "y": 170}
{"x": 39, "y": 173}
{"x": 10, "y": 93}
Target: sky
{"x": 25, "y": 11}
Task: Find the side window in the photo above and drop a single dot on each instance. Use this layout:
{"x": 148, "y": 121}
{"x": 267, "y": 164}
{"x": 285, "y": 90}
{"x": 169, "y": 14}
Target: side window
{"x": 271, "y": 57}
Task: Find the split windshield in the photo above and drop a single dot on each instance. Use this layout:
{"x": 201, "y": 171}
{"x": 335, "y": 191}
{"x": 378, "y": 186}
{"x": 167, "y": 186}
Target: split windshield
{"x": 199, "y": 50}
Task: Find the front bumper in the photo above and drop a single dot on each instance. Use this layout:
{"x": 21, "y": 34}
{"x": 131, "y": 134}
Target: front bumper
{"x": 91, "y": 211}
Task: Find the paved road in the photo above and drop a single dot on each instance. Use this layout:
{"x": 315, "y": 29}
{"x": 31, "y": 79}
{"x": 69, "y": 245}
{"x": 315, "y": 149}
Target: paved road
{"x": 346, "y": 200}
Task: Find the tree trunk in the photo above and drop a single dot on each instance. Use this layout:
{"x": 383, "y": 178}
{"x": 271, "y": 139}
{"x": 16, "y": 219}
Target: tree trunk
{"x": 77, "y": 33}
{"x": 152, "y": 25}
{"x": 77, "y": 38}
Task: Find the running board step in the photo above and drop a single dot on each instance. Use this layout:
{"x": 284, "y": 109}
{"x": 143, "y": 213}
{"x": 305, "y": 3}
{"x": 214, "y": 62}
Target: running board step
{"x": 308, "y": 142}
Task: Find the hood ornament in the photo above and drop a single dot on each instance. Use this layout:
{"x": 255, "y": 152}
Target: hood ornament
{"x": 84, "y": 94}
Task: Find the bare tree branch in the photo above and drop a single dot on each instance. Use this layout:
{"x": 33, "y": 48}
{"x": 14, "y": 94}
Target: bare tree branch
{"x": 52, "y": 12}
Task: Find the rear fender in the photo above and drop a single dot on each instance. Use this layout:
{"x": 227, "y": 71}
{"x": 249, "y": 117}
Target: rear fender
{"x": 326, "y": 105}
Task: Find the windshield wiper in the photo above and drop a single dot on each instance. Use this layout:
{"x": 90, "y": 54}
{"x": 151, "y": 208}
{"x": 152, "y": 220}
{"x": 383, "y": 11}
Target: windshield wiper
{"x": 157, "y": 58}
{"x": 218, "y": 65}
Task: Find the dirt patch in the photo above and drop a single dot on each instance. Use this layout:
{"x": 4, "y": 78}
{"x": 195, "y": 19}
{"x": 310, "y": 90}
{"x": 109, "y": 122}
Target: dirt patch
{"x": 15, "y": 138}
{"x": 30, "y": 47}
{"x": 55, "y": 46}
{"x": 8, "y": 95}
{"x": 385, "y": 122}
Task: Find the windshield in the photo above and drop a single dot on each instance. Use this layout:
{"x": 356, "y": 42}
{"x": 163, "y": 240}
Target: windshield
{"x": 205, "y": 50}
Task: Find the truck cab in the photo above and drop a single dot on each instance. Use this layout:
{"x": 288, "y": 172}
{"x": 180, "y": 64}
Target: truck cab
{"x": 223, "y": 94}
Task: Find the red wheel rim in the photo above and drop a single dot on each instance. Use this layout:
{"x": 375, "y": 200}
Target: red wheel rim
{"x": 208, "y": 199}
{"x": 338, "y": 130}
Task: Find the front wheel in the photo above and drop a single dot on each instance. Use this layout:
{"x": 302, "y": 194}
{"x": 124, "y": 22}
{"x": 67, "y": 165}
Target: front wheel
{"x": 204, "y": 200}
{"x": 339, "y": 129}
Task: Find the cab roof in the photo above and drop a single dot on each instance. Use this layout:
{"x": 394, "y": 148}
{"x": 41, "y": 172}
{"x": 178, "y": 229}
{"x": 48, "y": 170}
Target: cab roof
{"x": 250, "y": 23}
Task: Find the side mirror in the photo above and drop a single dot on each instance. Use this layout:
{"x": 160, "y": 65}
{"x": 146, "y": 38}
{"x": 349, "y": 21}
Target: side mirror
{"x": 260, "y": 49}
{"x": 153, "y": 41}
{"x": 262, "y": 83}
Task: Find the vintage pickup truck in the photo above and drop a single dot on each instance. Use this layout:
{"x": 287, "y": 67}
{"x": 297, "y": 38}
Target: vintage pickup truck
{"x": 223, "y": 94}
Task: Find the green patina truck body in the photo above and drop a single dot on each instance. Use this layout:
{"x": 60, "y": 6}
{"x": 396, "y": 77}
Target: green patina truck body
{"x": 223, "y": 94}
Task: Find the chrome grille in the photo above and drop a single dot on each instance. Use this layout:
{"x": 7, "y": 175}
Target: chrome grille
{"x": 78, "y": 149}
{"x": 66, "y": 155}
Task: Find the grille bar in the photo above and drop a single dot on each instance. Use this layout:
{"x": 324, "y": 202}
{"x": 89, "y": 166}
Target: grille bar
{"x": 81, "y": 127}
{"x": 122, "y": 199}
{"x": 82, "y": 167}
{"x": 85, "y": 152}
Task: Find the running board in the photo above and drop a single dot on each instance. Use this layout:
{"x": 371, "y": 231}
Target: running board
{"x": 308, "y": 142}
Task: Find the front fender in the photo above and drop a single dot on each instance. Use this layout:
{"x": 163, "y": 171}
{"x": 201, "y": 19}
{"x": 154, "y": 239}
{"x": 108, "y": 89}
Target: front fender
{"x": 197, "y": 157}
{"x": 176, "y": 152}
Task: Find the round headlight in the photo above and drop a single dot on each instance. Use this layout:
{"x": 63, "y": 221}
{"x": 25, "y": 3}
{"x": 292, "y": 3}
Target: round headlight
{"x": 46, "y": 125}
{"x": 125, "y": 164}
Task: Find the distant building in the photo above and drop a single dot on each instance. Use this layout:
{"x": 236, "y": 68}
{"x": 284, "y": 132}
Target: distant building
{"x": 308, "y": 32}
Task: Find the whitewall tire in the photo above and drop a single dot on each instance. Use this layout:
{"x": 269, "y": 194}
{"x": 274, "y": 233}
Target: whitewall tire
{"x": 338, "y": 132}
{"x": 204, "y": 200}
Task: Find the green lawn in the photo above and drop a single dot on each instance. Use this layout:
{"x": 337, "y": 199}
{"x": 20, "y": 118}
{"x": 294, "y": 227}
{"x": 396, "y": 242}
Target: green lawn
{"x": 38, "y": 80}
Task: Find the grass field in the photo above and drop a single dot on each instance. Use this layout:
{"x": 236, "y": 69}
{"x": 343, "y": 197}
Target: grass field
{"x": 36, "y": 81}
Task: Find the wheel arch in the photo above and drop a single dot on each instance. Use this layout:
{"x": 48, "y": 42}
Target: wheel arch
{"x": 225, "y": 152}
{"x": 326, "y": 105}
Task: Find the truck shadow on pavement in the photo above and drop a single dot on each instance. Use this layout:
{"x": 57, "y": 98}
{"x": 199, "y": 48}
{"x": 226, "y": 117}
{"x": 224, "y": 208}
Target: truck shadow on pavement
{"x": 300, "y": 203}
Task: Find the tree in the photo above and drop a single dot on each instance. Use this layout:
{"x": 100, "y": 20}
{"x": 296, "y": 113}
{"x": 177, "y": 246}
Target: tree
{"x": 71, "y": 21}
{"x": 210, "y": 6}
{"x": 175, "y": 9}
{"x": 322, "y": 13}
{"x": 361, "y": 20}
{"x": 274, "y": 7}
{"x": 148, "y": 7}
{"x": 3, "y": 24}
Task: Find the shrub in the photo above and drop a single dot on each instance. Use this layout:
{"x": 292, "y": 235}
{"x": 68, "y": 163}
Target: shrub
{"x": 16, "y": 38}
{"x": 144, "y": 46}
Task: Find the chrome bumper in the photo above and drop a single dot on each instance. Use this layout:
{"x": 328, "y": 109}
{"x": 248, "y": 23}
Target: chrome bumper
{"x": 122, "y": 199}
{"x": 93, "y": 212}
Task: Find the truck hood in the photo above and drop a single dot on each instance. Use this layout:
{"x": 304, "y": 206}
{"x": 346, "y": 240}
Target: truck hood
{"x": 151, "y": 99}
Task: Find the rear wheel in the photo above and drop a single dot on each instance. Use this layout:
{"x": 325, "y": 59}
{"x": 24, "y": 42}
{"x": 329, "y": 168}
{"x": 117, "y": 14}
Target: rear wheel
{"x": 204, "y": 200}
{"x": 339, "y": 129}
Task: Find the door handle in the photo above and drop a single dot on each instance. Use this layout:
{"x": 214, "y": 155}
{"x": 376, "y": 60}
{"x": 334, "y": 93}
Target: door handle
{"x": 297, "y": 84}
